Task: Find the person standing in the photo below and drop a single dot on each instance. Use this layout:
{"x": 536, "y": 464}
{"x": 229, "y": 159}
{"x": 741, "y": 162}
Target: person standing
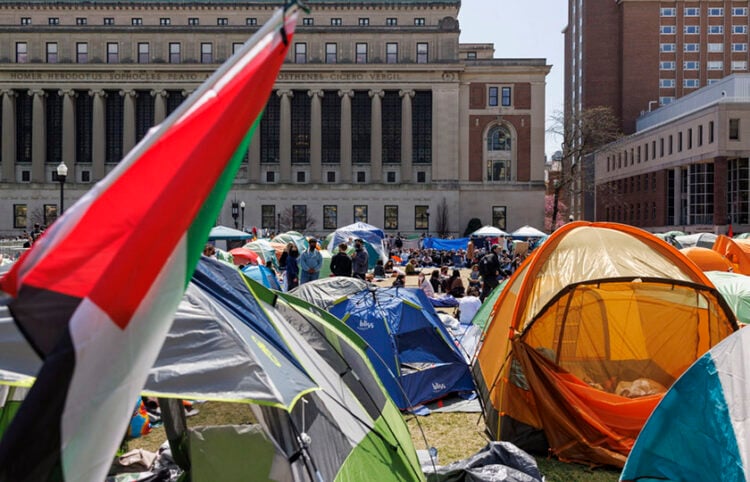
{"x": 341, "y": 263}
{"x": 292, "y": 268}
{"x": 310, "y": 263}
{"x": 360, "y": 260}
{"x": 489, "y": 267}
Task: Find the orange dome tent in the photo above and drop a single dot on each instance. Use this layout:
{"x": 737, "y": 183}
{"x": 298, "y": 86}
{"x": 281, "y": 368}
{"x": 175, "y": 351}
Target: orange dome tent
{"x": 707, "y": 259}
{"x": 599, "y": 313}
{"x": 737, "y": 251}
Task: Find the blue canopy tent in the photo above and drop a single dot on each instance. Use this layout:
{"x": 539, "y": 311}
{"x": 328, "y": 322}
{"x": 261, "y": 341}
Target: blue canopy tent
{"x": 404, "y": 330}
{"x": 445, "y": 244}
{"x": 372, "y": 236}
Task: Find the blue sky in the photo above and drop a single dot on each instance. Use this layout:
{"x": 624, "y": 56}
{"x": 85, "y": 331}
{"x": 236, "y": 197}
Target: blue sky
{"x": 522, "y": 29}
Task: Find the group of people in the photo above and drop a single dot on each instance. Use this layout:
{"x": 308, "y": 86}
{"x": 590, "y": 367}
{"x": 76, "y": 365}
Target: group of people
{"x": 302, "y": 268}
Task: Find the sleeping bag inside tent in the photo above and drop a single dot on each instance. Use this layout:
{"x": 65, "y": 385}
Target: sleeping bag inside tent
{"x": 588, "y": 335}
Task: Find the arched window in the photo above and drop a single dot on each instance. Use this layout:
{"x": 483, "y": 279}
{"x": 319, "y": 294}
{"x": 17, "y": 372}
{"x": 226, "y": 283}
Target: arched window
{"x": 498, "y": 139}
{"x": 499, "y": 154}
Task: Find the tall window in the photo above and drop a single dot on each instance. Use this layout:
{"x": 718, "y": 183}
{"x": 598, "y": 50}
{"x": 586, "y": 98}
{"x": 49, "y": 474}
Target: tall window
{"x": 143, "y": 53}
{"x": 20, "y": 220}
{"x": 300, "y": 127}
{"x": 422, "y": 217}
{"x": 82, "y": 52}
{"x": 24, "y": 119}
{"x": 144, "y": 113}
{"x": 360, "y": 213}
{"x": 113, "y": 53}
{"x": 734, "y": 129}
{"x": 51, "y": 52}
{"x": 300, "y": 53}
{"x": 422, "y": 52}
{"x": 499, "y": 154}
{"x": 299, "y": 217}
{"x": 391, "y": 53}
{"x": 506, "y": 99}
{"x": 174, "y": 99}
{"x": 361, "y": 121}
{"x": 207, "y": 53}
{"x": 390, "y": 220}
{"x": 391, "y": 126}
{"x": 175, "y": 53}
{"x": 330, "y": 216}
{"x": 84, "y": 126}
{"x": 113, "y": 126}
{"x": 499, "y": 216}
{"x": 738, "y": 204}
{"x": 700, "y": 191}
{"x": 421, "y": 127}
{"x": 361, "y": 57}
{"x": 268, "y": 216}
{"x": 22, "y": 52}
{"x": 330, "y": 127}
{"x": 53, "y": 120}
{"x": 330, "y": 53}
{"x": 492, "y": 96}
{"x": 269, "y": 130}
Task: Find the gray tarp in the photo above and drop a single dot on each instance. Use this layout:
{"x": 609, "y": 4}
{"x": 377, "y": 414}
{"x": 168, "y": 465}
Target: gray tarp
{"x": 496, "y": 462}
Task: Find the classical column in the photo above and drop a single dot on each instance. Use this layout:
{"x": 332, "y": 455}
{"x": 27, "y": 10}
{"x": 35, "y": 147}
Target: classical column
{"x": 68, "y": 126}
{"x": 128, "y": 127}
{"x": 376, "y": 137}
{"x": 160, "y": 105}
{"x": 406, "y": 135}
{"x": 285, "y": 135}
{"x": 38, "y": 136}
{"x": 315, "y": 135}
{"x": 98, "y": 134}
{"x": 9, "y": 140}
{"x": 346, "y": 135}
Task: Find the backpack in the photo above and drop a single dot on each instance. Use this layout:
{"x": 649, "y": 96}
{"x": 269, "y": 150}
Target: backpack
{"x": 485, "y": 266}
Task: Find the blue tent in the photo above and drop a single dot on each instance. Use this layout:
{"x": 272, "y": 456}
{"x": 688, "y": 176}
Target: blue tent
{"x": 404, "y": 330}
{"x": 262, "y": 275}
{"x": 372, "y": 236}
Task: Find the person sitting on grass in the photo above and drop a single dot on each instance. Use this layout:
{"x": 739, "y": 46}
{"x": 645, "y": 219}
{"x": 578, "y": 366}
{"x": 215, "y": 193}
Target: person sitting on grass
{"x": 400, "y": 281}
{"x": 411, "y": 267}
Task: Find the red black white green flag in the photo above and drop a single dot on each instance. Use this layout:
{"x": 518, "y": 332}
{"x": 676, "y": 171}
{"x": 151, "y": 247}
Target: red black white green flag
{"x": 96, "y": 293}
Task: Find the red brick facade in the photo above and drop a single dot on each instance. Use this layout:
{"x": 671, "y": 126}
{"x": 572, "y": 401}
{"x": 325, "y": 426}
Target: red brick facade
{"x": 478, "y": 127}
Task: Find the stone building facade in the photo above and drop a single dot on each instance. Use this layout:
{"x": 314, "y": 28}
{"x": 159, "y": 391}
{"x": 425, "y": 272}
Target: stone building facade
{"x": 379, "y": 114}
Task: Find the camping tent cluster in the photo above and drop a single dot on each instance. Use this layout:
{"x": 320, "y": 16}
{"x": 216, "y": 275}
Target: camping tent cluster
{"x": 324, "y": 413}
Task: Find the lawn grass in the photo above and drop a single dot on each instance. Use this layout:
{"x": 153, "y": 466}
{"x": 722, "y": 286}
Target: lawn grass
{"x": 454, "y": 435}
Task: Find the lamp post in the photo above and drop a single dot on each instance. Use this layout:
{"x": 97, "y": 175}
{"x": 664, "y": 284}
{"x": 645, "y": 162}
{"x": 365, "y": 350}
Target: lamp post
{"x": 235, "y": 212}
{"x": 62, "y": 174}
{"x": 242, "y": 211}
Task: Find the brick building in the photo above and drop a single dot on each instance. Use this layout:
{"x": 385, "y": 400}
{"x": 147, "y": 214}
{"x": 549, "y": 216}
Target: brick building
{"x": 635, "y": 56}
{"x": 379, "y": 113}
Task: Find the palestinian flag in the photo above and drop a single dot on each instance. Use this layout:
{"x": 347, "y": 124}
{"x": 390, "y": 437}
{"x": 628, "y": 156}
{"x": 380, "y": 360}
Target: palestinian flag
{"x": 96, "y": 294}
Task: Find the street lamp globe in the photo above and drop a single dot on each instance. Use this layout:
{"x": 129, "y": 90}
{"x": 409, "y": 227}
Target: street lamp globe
{"x": 242, "y": 212}
{"x": 62, "y": 174}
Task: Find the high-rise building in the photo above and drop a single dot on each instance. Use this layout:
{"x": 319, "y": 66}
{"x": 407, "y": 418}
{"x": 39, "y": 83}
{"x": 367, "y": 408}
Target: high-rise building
{"x": 379, "y": 113}
{"x": 635, "y": 56}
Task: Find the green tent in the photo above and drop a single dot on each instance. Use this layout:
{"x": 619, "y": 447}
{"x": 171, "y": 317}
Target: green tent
{"x": 735, "y": 289}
